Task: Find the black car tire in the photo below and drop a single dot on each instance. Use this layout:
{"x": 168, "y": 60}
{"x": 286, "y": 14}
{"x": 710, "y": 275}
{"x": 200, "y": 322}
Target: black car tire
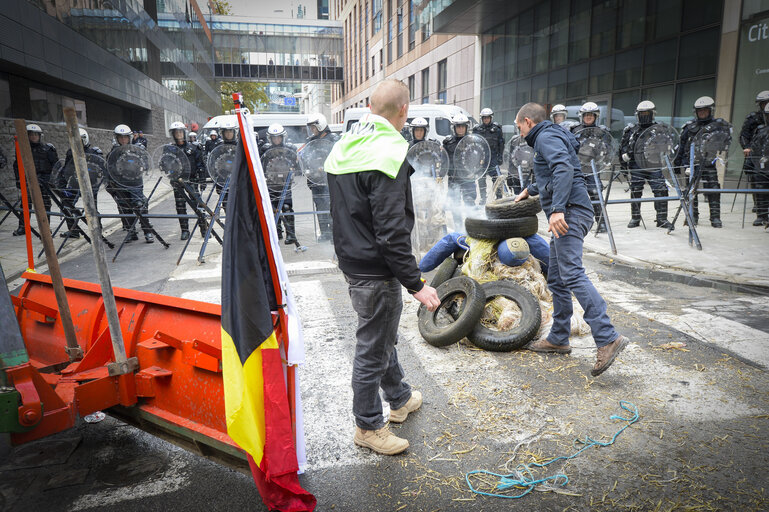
{"x": 464, "y": 320}
{"x": 444, "y": 272}
{"x": 501, "y": 229}
{"x": 521, "y": 333}
{"x": 507, "y": 208}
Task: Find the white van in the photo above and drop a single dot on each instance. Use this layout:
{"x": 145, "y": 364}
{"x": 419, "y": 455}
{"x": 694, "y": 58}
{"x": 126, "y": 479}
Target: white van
{"x": 295, "y": 125}
{"x": 438, "y": 116}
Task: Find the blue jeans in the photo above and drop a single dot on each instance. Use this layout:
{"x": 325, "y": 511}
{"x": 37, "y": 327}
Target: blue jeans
{"x": 566, "y": 275}
{"x": 378, "y": 305}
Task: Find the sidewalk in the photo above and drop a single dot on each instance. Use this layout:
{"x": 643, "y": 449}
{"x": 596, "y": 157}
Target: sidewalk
{"x": 730, "y": 254}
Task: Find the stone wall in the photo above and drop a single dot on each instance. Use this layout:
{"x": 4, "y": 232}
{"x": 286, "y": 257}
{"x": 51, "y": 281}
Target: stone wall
{"x": 54, "y": 133}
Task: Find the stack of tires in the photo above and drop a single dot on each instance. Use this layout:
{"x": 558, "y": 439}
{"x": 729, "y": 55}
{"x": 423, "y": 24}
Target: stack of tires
{"x": 463, "y": 300}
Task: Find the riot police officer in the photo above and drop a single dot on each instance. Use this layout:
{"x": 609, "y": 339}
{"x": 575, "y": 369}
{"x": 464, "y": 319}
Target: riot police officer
{"x": 492, "y": 132}
{"x": 197, "y": 173}
{"x": 212, "y": 142}
{"x": 645, "y": 117}
{"x": 228, "y": 137}
{"x": 317, "y": 128}
{"x": 276, "y": 136}
{"x": 461, "y": 190}
{"x": 588, "y": 118}
{"x": 68, "y": 196}
{"x": 193, "y": 138}
{"x": 558, "y": 114}
{"x": 703, "y": 111}
{"x": 44, "y": 156}
{"x": 749, "y": 128}
{"x": 758, "y": 152}
{"x": 129, "y": 199}
{"x": 419, "y": 128}
{"x": 139, "y": 139}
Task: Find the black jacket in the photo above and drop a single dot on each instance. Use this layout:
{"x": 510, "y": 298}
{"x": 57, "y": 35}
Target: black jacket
{"x": 211, "y": 144}
{"x": 493, "y": 135}
{"x": 69, "y": 162}
{"x": 627, "y": 144}
{"x": 450, "y": 145}
{"x": 329, "y": 135}
{"x": 688, "y": 132}
{"x": 373, "y": 218}
{"x": 44, "y": 156}
{"x": 749, "y": 128}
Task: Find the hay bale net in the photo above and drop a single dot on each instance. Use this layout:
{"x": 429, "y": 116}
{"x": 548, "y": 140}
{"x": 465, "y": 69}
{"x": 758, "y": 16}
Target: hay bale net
{"x": 482, "y": 264}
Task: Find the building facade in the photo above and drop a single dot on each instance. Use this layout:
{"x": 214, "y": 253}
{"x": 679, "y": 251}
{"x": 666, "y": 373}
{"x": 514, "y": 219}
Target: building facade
{"x": 395, "y": 39}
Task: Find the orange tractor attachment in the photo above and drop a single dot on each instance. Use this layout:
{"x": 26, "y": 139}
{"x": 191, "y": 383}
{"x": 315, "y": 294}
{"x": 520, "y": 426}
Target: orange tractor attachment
{"x": 176, "y": 393}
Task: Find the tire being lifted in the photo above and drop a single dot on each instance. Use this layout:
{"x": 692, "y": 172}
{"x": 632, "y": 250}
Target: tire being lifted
{"x": 507, "y": 208}
{"x": 501, "y": 229}
{"x": 523, "y": 332}
{"x": 459, "y": 324}
{"x": 444, "y": 272}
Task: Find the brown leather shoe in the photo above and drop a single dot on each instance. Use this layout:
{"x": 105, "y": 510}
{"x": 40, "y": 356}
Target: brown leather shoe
{"x": 607, "y": 354}
{"x": 545, "y": 346}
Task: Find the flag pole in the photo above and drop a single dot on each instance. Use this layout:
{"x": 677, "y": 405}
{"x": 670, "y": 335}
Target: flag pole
{"x": 237, "y": 98}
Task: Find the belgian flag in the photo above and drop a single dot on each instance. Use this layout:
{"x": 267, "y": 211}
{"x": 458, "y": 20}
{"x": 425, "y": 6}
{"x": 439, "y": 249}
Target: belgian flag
{"x": 257, "y": 386}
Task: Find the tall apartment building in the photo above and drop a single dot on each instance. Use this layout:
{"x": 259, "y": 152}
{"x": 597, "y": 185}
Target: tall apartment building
{"x": 394, "y": 39}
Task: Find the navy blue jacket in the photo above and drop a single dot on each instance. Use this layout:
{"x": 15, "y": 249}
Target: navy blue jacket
{"x": 560, "y": 182}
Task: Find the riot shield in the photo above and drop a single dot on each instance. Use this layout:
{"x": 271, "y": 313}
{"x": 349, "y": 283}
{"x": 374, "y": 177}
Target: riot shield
{"x": 64, "y": 177}
{"x": 172, "y": 162}
{"x": 653, "y": 145}
{"x": 221, "y": 162}
{"x": 429, "y": 159}
{"x": 128, "y": 165}
{"x": 759, "y": 150}
{"x": 595, "y": 145}
{"x": 471, "y": 157}
{"x": 279, "y": 162}
{"x": 712, "y": 139}
{"x": 313, "y": 159}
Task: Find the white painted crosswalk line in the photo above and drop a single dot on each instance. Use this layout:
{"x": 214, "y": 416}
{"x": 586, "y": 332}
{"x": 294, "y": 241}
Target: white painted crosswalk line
{"x": 744, "y": 341}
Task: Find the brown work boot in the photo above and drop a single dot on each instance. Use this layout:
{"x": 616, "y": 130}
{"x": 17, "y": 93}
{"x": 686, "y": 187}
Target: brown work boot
{"x": 381, "y": 441}
{"x": 607, "y": 354}
{"x": 414, "y": 403}
{"x": 543, "y": 345}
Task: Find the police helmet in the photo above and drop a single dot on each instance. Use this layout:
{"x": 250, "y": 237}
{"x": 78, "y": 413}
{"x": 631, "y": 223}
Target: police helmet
{"x": 122, "y": 129}
{"x": 84, "y": 137}
{"x": 33, "y": 128}
{"x": 419, "y": 122}
{"x": 558, "y": 109}
{"x": 276, "y": 130}
{"x": 645, "y": 112}
{"x": 588, "y": 108}
{"x": 762, "y": 97}
{"x": 193, "y": 136}
{"x": 487, "y": 112}
{"x": 318, "y": 121}
{"x": 213, "y": 134}
{"x": 705, "y": 102}
{"x": 459, "y": 120}
{"x": 766, "y": 113}
{"x": 177, "y": 125}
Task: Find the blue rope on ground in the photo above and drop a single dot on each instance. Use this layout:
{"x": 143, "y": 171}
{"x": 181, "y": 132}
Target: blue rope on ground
{"x": 522, "y": 477}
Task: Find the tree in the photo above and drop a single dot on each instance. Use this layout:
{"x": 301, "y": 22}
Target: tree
{"x": 255, "y": 94}
{"x": 221, "y": 7}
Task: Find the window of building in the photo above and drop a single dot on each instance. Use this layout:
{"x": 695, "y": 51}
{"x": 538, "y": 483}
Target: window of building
{"x": 539, "y": 88}
{"x": 579, "y": 38}
{"x": 373, "y": 67}
{"x": 412, "y": 25}
{"x": 5, "y": 99}
{"x": 665, "y": 18}
{"x": 577, "y": 81}
{"x": 697, "y": 54}
{"x": 511, "y": 38}
{"x": 627, "y": 68}
{"x": 381, "y": 60}
{"x": 365, "y": 57}
{"x": 412, "y": 87}
{"x": 604, "y": 27}
{"x": 376, "y": 14}
{"x": 541, "y": 39}
{"x": 442, "y": 79}
{"x": 663, "y": 101}
{"x": 498, "y": 55}
{"x": 625, "y": 102}
{"x": 700, "y": 13}
{"x": 557, "y": 83}
{"x": 686, "y": 94}
{"x": 522, "y": 92}
{"x": 389, "y": 38}
{"x": 426, "y": 85}
{"x": 632, "y": 23}
{"x": 525, "y": 31}
{"x": 559, "y": 38}
{"x": 399, "y": 14}
{"x": 660, "y": 62}
{"x": 601, "y": 75}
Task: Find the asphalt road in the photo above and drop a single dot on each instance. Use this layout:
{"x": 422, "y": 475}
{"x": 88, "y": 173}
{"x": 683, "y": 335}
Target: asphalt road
{"x": 700, "y": 442}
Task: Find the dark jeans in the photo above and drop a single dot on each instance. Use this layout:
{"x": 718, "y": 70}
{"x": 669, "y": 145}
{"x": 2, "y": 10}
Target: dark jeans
{"x": 566, "y": 275}
{"x": 378, "y": 305}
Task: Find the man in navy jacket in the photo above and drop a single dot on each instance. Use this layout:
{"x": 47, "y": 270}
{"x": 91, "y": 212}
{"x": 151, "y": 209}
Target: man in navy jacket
{"x": 563, "y": 194}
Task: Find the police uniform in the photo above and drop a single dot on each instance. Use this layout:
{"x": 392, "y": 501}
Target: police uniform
{"x": 219, "y": 188}
{"x": 492, "y": 132}
{"x": 463, "y": 190}
{"x": 68, "y": 196}
{"x": 638, "y": 176}
{"x": 44, "y": 156}
{"x": 140, "y": 141}
{"x": 211, "y": 144}
{"x": 759, "y": 143}
{"x": 276, "y": 191}
{"x": 128, "y": 200}
{"x": 587, "y": 172}
{"x": 320, "y": 194}
{"x": 709, "y": 175}
{"x": 753, "y": 122}
{"x": 197, "y": 176}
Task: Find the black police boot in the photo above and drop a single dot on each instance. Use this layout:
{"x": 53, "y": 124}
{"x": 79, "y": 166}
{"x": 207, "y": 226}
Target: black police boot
{"x": 664, "y": 223}
{"x": 290, "y": 233}
{"x": 716, "y": 222}
{"x": 634, "y": 222}
{"x": 635, "y": 215}
{"x": 148, "y": 238}
{"x": 19, "y": 231}
{"x": 185, "y": 234}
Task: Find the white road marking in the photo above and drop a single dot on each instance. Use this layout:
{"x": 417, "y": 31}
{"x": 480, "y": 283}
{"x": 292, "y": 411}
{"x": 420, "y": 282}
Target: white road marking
{"x": 747, "y": 342}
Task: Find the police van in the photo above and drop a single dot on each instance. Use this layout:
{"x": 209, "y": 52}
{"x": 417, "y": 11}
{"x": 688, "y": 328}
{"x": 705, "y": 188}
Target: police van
{"x": 438, "y": 117}
{"x": 295, "y": 125}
